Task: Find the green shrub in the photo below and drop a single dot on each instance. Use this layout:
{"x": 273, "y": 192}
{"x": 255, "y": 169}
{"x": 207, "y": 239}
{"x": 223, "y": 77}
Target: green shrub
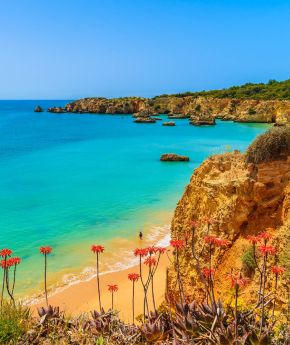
{"x": 13, "y": 322}
{"x": 248, "y": 262}
{"x": 269, "y": 146}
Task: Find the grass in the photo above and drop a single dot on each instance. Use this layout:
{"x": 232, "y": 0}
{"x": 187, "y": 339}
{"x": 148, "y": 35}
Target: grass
{"x": 14, "y": 322}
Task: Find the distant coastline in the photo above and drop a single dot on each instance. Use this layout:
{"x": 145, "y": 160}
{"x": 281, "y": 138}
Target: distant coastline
{"x": 253, "y": 103}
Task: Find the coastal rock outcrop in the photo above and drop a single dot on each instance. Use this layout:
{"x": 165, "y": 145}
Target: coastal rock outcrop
{"x": 173, "y": 157}
{"x": 38, "y": 109}
{"x": 198, "y": 109}
{"x": 243, "y": 199}
{"x": 57, "y": 110}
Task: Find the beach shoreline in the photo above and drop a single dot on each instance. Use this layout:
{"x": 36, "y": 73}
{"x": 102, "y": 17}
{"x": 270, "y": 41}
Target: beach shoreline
{"x": 82, "y": 297}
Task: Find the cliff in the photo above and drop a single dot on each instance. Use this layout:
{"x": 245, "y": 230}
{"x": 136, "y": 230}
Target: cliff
{"x": 203, "y": 108}
{"x": 244, "y": 199}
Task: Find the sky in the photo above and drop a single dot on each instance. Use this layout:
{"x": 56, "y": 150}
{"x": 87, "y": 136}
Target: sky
{"x": 69, "y": 49}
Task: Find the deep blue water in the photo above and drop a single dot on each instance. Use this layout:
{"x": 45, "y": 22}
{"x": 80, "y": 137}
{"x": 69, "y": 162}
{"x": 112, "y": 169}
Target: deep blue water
{"x": 69, "y": 180}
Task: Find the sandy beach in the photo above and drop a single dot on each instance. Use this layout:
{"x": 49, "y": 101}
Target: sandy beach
{"x": 82, "y": 297}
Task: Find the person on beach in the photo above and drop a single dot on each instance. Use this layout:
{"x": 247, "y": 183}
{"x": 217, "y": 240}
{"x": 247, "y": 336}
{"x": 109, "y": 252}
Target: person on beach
{"x": 140, "y": 235}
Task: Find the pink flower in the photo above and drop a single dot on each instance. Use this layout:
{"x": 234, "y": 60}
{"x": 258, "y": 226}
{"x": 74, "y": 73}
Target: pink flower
{"x": 97, "y": 249}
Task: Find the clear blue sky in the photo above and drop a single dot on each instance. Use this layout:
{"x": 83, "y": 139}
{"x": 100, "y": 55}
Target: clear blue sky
{"x": 67, "y": 49}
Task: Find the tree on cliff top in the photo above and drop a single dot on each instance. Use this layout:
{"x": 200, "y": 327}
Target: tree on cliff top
{"x": 270, "y": 146}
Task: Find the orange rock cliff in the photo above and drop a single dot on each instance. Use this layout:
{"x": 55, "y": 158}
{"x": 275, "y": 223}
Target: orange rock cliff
{"x": 243, "y": 199}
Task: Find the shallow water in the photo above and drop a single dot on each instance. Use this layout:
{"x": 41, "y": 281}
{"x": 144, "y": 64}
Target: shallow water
{"x": 72, "y": 180}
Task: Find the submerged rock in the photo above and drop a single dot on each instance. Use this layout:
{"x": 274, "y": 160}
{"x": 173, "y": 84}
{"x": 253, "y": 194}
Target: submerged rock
{"x": 170, "y": 123}
{"x": 173, "y": 157}
{"x": 144, "y": 120}
{"x": 38, "y": 109}
{"x": 202, "y": 121}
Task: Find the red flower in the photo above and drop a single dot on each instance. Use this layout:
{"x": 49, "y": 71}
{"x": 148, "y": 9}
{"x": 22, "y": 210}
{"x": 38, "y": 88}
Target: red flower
{"x": 210, "y": 239}
{"x": 141, "y": 252}
{"x": 5, "y": 252}
{"x": 160, "y": 250}
{"x": 222, "y": 242}
{"x": 113, "y": 287}
{"x": 254, "y": 239}
{"x": 150, "y": 261}
{"x": 97, "y": 249}
{"x": 278, "y": 270}
{"x": 7, "y": 263}
{"x": 238, "y": 281}
{"x": 209, "y": 220}
{"x": 265, "y": 236}
{"x": 133, "y": 277}
{"x": 45, "y": 250}
{"x": 151, "y": 250}
{"x": 194, "y": 224}
{"x": 15, "y": 261}
{"x": 267, "y": 250}
{"x": 177, "y": 244}
{"x": 208, "y": 272}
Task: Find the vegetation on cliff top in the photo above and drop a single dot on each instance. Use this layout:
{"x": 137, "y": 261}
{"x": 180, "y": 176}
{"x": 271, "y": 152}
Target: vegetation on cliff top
{"x": 269, "y": 146}
{"x": 260, "y": 91}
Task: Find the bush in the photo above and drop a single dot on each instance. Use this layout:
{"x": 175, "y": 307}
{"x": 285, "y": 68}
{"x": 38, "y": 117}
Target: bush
{"x": 13, "y": 322}
{"x": 269, "y": 146}
{"x": 248, "y": 262}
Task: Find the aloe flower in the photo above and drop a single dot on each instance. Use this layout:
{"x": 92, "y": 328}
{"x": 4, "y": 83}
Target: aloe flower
{"x": 134, "y": 277}
{"x": 4, "y": 253}
{"x": 45, "y": 251}
{"x": 113, "y": 288}
{"x": 98, "y": 249}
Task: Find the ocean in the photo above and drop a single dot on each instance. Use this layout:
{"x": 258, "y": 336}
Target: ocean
{"x": 72, "y": 180}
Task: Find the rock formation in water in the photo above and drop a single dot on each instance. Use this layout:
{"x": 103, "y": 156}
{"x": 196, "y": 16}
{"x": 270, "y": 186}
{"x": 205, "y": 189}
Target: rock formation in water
{"x": 244, "y": 195}
{"x": 38, "y": 109}
{"x": 169, "y": 123}
{"x": 173, "y": 157}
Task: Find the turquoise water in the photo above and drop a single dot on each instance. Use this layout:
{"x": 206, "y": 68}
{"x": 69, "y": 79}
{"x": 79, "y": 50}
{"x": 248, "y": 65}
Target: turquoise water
{"x": 72, "y": 180}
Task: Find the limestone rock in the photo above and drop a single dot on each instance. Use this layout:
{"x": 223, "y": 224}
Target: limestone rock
{"x": 173, "y": 157}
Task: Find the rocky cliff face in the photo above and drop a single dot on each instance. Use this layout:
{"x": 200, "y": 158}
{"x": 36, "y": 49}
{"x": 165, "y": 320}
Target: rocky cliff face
{"x": 244, "y": 199}
{"x": 202, "y": 107}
